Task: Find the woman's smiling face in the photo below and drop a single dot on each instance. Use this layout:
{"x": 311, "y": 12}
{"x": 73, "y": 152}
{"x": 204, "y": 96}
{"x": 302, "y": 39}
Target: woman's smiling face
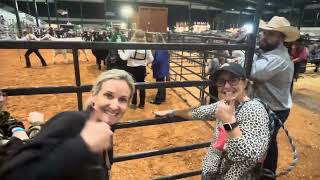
{"x": 112, "y": 100}
{"x": 230, "y": 86}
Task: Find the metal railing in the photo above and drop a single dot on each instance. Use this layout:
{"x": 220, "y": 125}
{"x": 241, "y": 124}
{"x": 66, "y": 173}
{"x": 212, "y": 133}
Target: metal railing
{"x": 78, "y": 88}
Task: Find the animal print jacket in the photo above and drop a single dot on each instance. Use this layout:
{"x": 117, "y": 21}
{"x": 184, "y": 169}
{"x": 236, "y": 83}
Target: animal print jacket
{"x": 242, "y": 153}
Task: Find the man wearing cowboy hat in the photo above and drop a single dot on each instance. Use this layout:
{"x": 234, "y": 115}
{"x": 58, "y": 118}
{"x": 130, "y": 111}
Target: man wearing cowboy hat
{"x": 272, "y": 73}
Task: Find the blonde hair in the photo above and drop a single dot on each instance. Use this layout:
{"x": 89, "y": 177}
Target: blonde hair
{"x": 159, "y": 38}
{"x": 139, "y": 36}
{"x": 113, "y": 74}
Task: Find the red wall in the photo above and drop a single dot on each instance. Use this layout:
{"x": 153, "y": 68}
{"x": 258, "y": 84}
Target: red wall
{"x": 152, "y": 19}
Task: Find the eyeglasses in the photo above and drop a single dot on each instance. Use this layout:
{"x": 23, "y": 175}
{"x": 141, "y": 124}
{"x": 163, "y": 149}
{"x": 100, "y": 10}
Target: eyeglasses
{"x": 231, "y": 82}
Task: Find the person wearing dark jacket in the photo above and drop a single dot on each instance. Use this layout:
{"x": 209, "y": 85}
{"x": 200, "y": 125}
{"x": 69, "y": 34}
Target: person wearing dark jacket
{"x": 71, "y": 145}
{"x": 12, "y": 131}
{"x": 160, "y": 69}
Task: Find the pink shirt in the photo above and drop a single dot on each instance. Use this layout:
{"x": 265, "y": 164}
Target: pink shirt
{"x": 302, "y": 54}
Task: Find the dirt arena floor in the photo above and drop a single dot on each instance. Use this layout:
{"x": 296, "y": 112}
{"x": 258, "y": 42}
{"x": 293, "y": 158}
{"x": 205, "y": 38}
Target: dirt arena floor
{"x": 303, "y": 123}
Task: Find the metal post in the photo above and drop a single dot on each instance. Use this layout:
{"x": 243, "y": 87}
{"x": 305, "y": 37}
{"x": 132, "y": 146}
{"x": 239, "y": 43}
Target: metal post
{"x": 77, "y": 77}
{"x": 105, "y": 10}
{"x": 48, "y": 9}
{"x": 203, "y": 76}
{"x": 18, "y": 18}
{"x": 36, "y": 8}
{"x": 316, "y": 21}
{"x": 301, "y": 17}
{"x": 208, "y": 18}
{"x": 252, "y": 38}
{"x": 239, "y": 19}
{"x": 291, "y": 10}
{"x": 56, "y": 12}
{"x": 182, "y": 58}
{"x": 189, "y": 16}
{"x": 28, "y": 7}
{"x": 81, "y": 14}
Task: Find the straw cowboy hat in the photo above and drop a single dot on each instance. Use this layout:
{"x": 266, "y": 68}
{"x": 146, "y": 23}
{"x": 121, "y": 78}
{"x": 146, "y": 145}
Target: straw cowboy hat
{"x": 282, "y": 25}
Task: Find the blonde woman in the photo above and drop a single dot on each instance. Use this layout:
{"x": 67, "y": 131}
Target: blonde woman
{"x": 137, "y": 61}
{"x": 70, "y": 145}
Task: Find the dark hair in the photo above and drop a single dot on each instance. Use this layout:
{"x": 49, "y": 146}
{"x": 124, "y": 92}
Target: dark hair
{"x": 117, "y": 29}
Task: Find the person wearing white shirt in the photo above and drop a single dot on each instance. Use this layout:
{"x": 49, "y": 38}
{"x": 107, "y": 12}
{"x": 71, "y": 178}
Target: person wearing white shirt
{"x": 30, "y": 37}
{"x": 137, "y": 61}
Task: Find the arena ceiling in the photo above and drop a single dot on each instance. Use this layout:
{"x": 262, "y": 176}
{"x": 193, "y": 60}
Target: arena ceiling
{"x": 292, "y": 9}
{"x": 219, "y": 4}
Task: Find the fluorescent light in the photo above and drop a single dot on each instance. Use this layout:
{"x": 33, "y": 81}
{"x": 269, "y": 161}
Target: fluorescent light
{"x": 248, "y": 28}
{"x": 126, "y": 11}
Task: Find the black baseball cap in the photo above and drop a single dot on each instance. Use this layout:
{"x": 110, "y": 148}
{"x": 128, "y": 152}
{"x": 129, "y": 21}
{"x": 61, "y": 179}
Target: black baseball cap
{"x": 233, "y": 68}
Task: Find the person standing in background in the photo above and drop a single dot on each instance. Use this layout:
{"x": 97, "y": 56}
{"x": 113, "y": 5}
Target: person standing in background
{"x": 28, "y": 36}
{"x": 160, "y": 69}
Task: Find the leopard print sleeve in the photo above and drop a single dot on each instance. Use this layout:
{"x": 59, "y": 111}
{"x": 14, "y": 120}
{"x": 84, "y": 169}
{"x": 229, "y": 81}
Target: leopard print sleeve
{"x": 204, "y": 112}
{"x": 252, "y": 145}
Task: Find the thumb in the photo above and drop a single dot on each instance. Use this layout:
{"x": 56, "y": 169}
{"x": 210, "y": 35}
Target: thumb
{"x": 232, "y": 103}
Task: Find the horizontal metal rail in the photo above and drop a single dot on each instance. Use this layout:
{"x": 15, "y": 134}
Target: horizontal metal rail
{"x": 161, "y": 152}
{"x": 179, "y": 176}
{"x": 190, "y": 93}
{"x": 9, "y": 44}
{"x": 46, "y": 90}
{"x": 147, "y": 122}
{"x": 205, "y": 37}
{"x": 86, "y": 88}
{"x": 189, "y": 59}
{"x": 187, "y": 69}
{"x": 184, "y": 66}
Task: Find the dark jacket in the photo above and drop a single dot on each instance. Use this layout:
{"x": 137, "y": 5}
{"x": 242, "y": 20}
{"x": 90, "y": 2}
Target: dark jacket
{"x": 118, "y": 37}
{"x": 57, "y": 152}
{"x": 160, "y": 64}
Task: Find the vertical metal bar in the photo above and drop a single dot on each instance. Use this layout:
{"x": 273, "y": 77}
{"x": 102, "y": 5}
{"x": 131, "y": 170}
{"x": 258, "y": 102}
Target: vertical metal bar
{"x": 28, "y": 7}
{"x": 81, "y": 14}
{"x": 56, "y": 12}
{"x": 105, "y": 10}
{"x": 18, "y": 18}
{"x": 291, "y": 10}
{"x": 208, "y": 18}
{"x": 48, "y": 9}
{"x": 301, "y": 17}
{"x": 252, "y": 38}
{"x": 77, "y": 77}
{"x": 203, "y": 76}
{"x": 189, "y": 16}
{"x": 317, "y": 19}
{"x": 181, "y": 65}
{"x": 239, "y": 19}
{"x": 36, "y": 9}
{"x": 169, "y": 37}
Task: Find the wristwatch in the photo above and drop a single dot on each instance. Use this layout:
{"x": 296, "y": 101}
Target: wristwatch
{"x": 230, "y": 126}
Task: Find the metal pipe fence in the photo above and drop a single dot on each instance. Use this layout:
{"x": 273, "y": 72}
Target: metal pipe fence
{"x": 78, "y": 88}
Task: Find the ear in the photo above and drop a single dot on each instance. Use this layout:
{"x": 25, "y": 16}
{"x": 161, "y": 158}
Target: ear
{"x": 92, "y": 99}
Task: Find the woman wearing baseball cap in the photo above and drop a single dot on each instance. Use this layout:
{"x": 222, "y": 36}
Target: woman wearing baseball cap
{"x": 242, "y": 133}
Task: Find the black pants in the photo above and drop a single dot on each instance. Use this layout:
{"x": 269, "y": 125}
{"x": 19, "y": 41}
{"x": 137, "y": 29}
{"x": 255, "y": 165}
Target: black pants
{"x": 27, "y": 54}
{"x": 271, "y": 160}
{"x": 138, "y": 73}
{"x": 317, "y": 65}
{"x": 161, "y": 94}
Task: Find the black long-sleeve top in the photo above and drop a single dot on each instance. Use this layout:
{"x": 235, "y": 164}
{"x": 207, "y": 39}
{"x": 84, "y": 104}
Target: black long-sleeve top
{"x": 57, "y": 152}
